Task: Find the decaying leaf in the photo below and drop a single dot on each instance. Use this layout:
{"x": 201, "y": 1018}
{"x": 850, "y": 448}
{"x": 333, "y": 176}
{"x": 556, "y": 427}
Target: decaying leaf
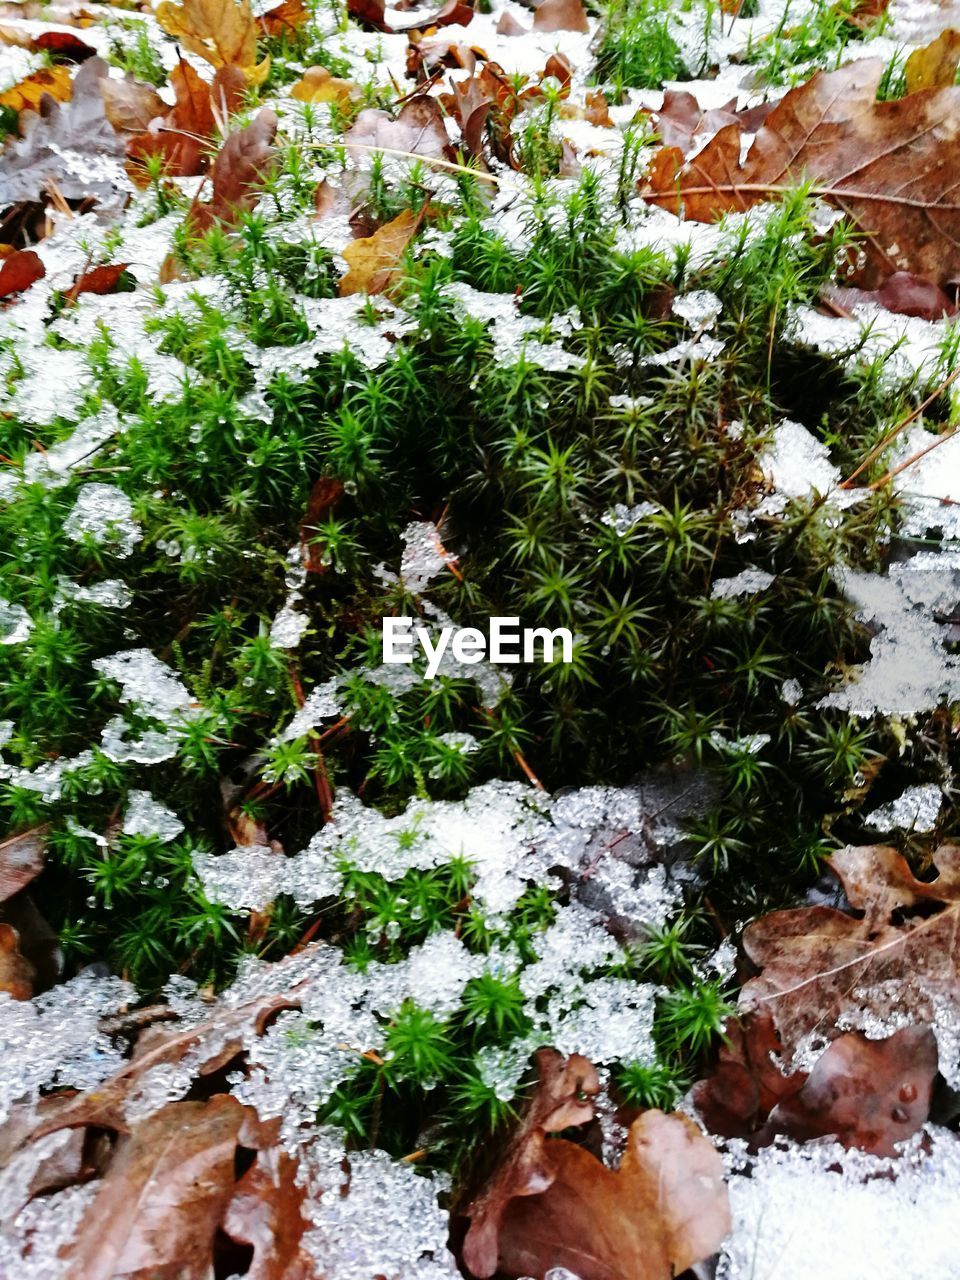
{"x": 869, "y": 1094}
{"x": 680, "y": 119}
{"x": 21, "y": 855}
{"x": 935, "y": 65}
{"x": 891, "y": 166}
{"x": 373, "y": 261}
{"x": 319, "y": 85}
{"x": 222, "y": 32}
{"x": 560, "y": 15}
{"x": 60, "y": 141}
{"x": 102, "y": 279}
{"x": 286, "y": 16}
{"x": 563, "y": 1098}
{"x": 237, "y": 175}
{"x": 865, "y": 1093}
{"x": 160, "y": 1202}
{"x": 16, "y": 972}
{"x": 182, "y": 133}
{"x": 662, "y": 1211}
{"x": 899, "y": 963}
{"x": 265, "y": 1213}
{"x": 130, "y": 105}
{"x": 417, "y": 130}
{"x": 26, "y": 95}
{"x": 18, "y": 271}
{"x": 902, "y": 293}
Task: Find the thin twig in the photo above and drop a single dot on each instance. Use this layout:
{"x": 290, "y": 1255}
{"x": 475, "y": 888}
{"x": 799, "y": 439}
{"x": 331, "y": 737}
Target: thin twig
{"x": 914, "y": 457}
{"x": 902, "y": 425}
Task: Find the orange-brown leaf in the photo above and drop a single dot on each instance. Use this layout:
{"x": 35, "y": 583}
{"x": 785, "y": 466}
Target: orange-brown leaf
{"x": 222, "y": 32}
{"x": 102, "y": 279}
{"x": 893, "y": 167}
{"x": 16, "y": 972}
{"x": 18, "y": 271}
{"x": 284, "y": 17}
{"x": 561, "y": 15}
{"x": 935, "y": 65}
{"x": 665, "y": 1209}
{"x": 158, "y": 1207}
{"x": 373, "y": 261}
{"x": 130, "y": 105}
{"x": 563, "y": 1098}
{"x": 26, "y": 95}
{"x": 266, "y": 1213}
{"x": 319, "y": 85}
{"x": 237, "y": 175}
{"x": 898, "y": 959}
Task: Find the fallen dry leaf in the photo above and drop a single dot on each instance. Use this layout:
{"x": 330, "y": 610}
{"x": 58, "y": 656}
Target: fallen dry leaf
{"x": 935, "y": 65}
{"x": 69, "y": 144}
{"x": 563, "y": 1098}
{"x": 18, "y": 271}
{"x": 373, "y": 261}
{"x": 891, "y": 166}
{"x": 16, "y": 972}
{"x": 869, "y": 1094}
{"x": 417, "y": 130}
{"x": 681, "y": 118}
{"x": 902, "y": 293}
{"x": 318, "y": 85}
{"x": 237, "y": 175}
{"x": 865, "y": 1093}
{"x": 284, "y": 17}
{"x": 665, "y": 1209}
{"x": 182, "y": 135}
{"x": 26, "y": 95}
{"x": 222, "y": 32}
{"x": 21, "y": 854}
{"x": 130, "y": 105}
{"x": 899, "y": 961}
{"x": 560, "y": 15}
{"x": 102, "y": 279}
{"x": 265, "y": 1212}
{"x": 163, "y": 1196}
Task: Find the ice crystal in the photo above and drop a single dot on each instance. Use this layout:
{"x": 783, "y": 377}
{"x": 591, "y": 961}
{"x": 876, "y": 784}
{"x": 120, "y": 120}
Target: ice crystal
{"x": 146, "y": 746}
{"x": 930, "y": 486}
{"x": 699, "y": 309}
{"x": 55, "y": 1039}
{"x": 53, "y": 467}
{"x": 147, "y": 682}
{"x": 423, "y": 556}
{"x": 15, "y": 623}
{"x": 146, "y": 816}
{"x": 109, "y": 594}
{"x": 819, "y": 1211}
{"x": 909, "y": 669}
{"x": 916, "y": 809}
{"x": 322, "y": 702}
{"x": 288, "y": 627}
{"x": 749, "y": 582}
{"x": 511, "y": 331}
{"x": 622, "y": 518}
{"x": 606, "y": 1019}
{"x": 105, "y": 514}
{"x": 32, "y": 1249}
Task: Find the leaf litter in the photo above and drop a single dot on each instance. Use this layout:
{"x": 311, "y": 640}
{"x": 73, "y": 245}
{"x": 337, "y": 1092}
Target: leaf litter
{"x": 290, "y": 1030}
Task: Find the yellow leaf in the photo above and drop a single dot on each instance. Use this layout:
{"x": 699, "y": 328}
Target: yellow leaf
{"x": 318, "y": 85}
{"x": 935, "y": 66}
{"x": 27, "y": 94}
{"x": 373, "y": 261}
{"x": 222, "y": 32}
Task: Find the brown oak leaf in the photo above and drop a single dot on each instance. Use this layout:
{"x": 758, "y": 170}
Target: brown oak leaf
{"x": 560, "y": 15}
{"x": 182, "y": 134}
{"x": 563, "y": 1098}
{"x": 935, "y": 65}
{"x": 897, "y": 961}
{"x": 665, "y": 1209}
{"x": 892, "y": 167}
{"x": 21, "y": 855}
{"x": 237, "y": 175}
{"x": 417, "y": 130}
{"x": 373, "y": 261}
{"x": 18, "y": 271}
{"x": 160, "y": 1202}
{"x": 222, "y": 32}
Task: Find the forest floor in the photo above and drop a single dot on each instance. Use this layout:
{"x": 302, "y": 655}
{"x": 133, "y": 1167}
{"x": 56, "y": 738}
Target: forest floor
{"x": 632, "y": 318}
